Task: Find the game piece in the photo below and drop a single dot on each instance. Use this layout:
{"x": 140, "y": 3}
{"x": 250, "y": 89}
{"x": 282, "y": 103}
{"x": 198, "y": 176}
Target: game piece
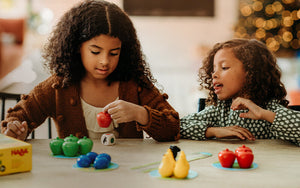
{"x": 101, "y": 163}
{"x": 103, "y": 119}
{"x": 70, "y": 148}
{"x": 92, "y": 156}
{"x": 71, "y": 138}
{"x": 226, "y": 158}
{"x": 182, "y": 167}
{"x": 56, "y": 146}
{"x": 245, "y": 158}
{"x": 174, "y": 150}
{"x": 242, "y": 148}
{"x": 169, "y": 167}
{"x": 167, "y": 164}
{"x": 108, "y": 139}
{"x": 85, "y": 145}
{"x": 83, "y": 161}
{"x": 105, "y": 155}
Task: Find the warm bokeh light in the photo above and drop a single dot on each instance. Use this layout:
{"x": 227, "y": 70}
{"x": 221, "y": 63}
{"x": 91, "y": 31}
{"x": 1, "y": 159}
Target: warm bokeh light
{"x": 286, "y": 13}
{"x": 277, "y": 6}
{"x": 294, "y": 15}
{"x": 295, "y": 43}
{"x": 246, "y": 10}
{"x": 260, "y": 22}
{"x": 260, "y": 33}
{"x": 269, "y": 10}
{"x": 287, "y": 21}
{"x": 298, "y": 34}
{"x": 269, "y": 25}
{"x": 275, "y": 22}
{"x": 272, "y": 44}
{"x": 288, "y": 1}
{"x": 287, "y": 36}
{"x": 257, "y": 6}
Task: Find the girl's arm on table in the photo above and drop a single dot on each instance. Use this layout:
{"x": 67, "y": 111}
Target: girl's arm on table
{"x": 194, "y": 126}
{"x": 163, "y": 120}
{"x": 286, "y": 125}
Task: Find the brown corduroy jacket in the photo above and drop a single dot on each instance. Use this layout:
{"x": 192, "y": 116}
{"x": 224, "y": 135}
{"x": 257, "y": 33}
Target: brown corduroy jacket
{"x": 49, "y": 98}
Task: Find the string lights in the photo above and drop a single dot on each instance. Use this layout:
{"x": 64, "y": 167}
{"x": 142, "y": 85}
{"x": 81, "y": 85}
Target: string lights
{"x": 274, "y": 22}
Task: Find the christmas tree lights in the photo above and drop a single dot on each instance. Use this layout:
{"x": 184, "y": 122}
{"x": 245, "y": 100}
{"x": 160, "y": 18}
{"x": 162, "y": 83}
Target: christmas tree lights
{"x": 274, "y": 22}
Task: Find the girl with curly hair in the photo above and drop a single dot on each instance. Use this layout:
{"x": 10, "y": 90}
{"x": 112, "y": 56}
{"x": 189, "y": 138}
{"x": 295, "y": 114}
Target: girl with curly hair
{"x": 97, "y": 65}
{"x": 246, "y": 97}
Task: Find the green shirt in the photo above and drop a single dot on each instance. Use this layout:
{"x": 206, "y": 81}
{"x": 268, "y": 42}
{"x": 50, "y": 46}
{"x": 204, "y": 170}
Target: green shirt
{"x": 286, "y": 125}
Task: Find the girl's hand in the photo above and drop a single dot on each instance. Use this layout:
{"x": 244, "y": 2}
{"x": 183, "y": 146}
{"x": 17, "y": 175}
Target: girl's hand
{"x": 17, "y": 129}
{"x": 254, "y": 111}
{"x": 122, "y": 112}
{"x": 229, "y": 132}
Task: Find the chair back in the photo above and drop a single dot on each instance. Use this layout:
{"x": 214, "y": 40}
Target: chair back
{"x": 201, "y": 104}
{"x": 294, "y": 107}
{"x": 9, "y": 97}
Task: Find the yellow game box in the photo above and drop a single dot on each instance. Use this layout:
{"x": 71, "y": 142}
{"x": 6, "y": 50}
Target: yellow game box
{"x": 15, "y": 155}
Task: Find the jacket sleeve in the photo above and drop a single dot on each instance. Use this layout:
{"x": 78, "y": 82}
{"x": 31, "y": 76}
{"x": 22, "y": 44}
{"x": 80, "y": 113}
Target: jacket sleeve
{"x": 194, "y": 126}
{"x": 163, "y": 122}
{"x": 33, "y": 108}
{"x": 286, "y": 125}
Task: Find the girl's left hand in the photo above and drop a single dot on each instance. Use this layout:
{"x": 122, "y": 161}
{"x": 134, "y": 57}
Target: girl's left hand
{"x": 255, "y": 112}
{"x": 122, "y": 112}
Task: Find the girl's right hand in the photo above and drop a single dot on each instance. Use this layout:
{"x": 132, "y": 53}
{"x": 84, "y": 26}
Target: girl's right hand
{"x": 229, "y": 132}
{"x": 17, "y": 129}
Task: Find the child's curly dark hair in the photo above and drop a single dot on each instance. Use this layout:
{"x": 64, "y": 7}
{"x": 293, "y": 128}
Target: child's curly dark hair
{"x": 84, "y": 21}
{"x": 262, "y": 72}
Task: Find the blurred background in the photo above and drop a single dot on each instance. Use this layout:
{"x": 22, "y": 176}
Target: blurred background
{"x": 175, "y": 37}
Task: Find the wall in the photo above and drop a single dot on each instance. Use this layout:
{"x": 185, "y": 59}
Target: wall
{"x": 173, "y": 46}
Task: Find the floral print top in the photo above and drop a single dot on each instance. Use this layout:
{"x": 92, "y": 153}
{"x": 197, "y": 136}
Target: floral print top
{"x": 286, "y": 125}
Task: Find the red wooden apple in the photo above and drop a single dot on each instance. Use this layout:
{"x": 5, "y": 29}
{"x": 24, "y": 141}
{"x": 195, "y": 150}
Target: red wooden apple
{"x": 103, "y": 119}
{"x": 245, "y": 158}
{"x": 226, "y": 158}
{"x": 242, "y": 148}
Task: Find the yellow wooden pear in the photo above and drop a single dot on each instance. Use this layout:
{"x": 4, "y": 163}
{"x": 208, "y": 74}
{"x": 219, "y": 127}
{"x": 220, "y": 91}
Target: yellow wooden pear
{"x": 170, "y": 153}
{"x": 182, "y": 167}
{"x": 167, "y": 165}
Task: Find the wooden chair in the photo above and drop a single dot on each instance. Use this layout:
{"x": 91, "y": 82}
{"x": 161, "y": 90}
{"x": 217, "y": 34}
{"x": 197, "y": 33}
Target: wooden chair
{"x": 16, "y": 97}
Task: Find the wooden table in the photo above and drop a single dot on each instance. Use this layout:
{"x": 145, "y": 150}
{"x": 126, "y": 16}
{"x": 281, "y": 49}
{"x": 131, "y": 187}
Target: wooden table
{"x": 278, "y": 166}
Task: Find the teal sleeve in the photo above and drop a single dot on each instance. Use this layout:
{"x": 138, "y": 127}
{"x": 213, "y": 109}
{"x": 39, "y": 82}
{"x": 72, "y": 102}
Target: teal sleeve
{"x": 194, "y": 126}
{"x": 286, "y": 125}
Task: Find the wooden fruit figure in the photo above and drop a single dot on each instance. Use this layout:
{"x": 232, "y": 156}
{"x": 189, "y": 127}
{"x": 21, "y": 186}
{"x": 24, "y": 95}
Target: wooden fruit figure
{"x": 70, "y": 149}
{"x": 226, "y": 158}
{"x": 245, "y": 158}
{"x": 242, "y": 148}
{"x": 182, "y": 167}
{"x": 170, "y": 153}
{"x": 166, "y": 166}
{"x": 71, "y": 138}
{"x": 56, "y": 146}
{"x": 85, "y": 145}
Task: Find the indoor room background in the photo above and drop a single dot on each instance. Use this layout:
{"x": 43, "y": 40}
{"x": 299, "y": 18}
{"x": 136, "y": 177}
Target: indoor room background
{"x": 174, "y": 42}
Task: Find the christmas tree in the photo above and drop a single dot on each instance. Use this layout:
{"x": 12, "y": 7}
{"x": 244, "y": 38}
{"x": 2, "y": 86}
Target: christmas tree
{"x": 274, "y": 22}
